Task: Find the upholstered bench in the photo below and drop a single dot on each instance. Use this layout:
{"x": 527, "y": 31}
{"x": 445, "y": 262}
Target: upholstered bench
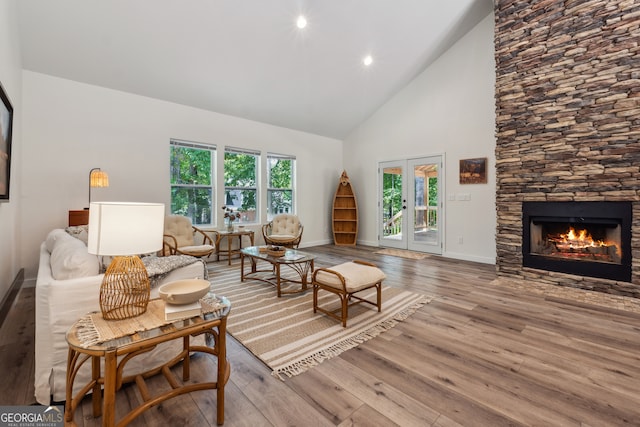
{"x": 345, "y": 280}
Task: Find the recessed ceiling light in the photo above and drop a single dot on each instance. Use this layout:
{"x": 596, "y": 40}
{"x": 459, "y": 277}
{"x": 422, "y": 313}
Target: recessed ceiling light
{"x": 368, "y": 60}
{"x": 301, "y": 22}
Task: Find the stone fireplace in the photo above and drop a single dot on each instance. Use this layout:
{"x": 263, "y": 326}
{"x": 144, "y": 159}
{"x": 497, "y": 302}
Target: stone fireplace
{"x": 568, "y": 133}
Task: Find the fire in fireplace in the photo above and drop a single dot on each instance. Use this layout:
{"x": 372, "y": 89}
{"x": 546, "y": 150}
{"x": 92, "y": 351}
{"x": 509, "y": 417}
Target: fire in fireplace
{"x": 585, "y": 238}
{"x": 562, "y": 240}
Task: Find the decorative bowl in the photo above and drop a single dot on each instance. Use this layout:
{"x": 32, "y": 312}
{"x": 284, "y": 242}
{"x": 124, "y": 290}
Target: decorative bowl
{"x": 276, "y": 250}
{"x": 184, "y": 291}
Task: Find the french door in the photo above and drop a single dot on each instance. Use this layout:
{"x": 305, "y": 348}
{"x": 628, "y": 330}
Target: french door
{"x": 410, "y": 205}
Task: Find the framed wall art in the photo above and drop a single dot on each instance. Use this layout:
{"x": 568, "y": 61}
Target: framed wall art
{"x": 6, "y": 125}
{"x": 473, "y": 171}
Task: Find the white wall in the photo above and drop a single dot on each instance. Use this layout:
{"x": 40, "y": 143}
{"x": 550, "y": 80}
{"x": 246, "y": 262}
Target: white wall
{"x": 10, "y": 77}
{"x": 448, "y": 109}
{"x": 71, "y": 127}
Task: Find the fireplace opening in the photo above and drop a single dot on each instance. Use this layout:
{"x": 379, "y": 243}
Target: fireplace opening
{"x": 585, "y": 238}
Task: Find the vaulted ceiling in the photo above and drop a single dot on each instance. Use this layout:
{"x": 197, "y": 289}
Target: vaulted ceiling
{"x": 247, "y": 58}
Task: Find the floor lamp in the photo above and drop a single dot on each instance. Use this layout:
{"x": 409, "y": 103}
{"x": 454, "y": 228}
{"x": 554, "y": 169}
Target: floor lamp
{"x": 125, "y": 230}
{"x": 97, "y": 178}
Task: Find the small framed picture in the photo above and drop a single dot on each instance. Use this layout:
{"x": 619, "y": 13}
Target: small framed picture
{"x": 473, "y": 171}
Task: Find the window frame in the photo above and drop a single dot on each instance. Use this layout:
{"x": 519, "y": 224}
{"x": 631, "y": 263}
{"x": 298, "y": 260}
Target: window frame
{"x": 212, "y": 148}
{"x": 270, "y": 189}
{"x": 245, "y": 217}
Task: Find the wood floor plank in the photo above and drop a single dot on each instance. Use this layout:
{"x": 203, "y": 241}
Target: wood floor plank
{"x": 281, "y": 406}
{"x": 333, "y": 401}
{"x": 435, "y": 394}
{"x": 367, "y": 416}
{"x": 492, "y": 388}
{"x": 390, "y": 401}
{"x": 17, "y": 350}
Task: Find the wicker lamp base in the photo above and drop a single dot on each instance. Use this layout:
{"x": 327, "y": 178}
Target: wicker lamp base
{"x": 125, "y": 289}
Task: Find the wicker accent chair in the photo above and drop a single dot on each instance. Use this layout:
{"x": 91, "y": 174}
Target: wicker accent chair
{"x": 283, "y": 230}
{"x": 180, "y": 238}
{"x": 345, "y": 280}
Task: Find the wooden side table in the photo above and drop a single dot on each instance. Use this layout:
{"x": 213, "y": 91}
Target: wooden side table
{"x": 214, "y": 324}
{"x": 230, "y": 235}
{"x": 79, "y": 217}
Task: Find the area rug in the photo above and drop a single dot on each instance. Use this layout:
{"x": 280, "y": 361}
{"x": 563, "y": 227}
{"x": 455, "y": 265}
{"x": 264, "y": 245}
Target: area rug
{"x": 401, "y": 253}
{"x": 287, "y": 336}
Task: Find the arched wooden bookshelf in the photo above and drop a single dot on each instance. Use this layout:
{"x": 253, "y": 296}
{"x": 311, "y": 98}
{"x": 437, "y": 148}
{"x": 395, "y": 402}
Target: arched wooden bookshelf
{"x": 345, "y": 213}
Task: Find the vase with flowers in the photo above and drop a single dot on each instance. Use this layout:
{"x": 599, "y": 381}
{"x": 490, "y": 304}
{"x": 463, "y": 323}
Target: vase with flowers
{"x": 229, "y": 217}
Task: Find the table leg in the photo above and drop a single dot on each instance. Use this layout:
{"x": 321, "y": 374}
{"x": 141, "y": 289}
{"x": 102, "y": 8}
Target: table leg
{"x": 186, "y": 367}
{"x": 229, "y": 239}
{"x": 241, "y": 266}
{"x": 218, "y": 239}
{"x": 310, "y": 274}
{"x": 109, "y": 404}
{"x": 277, "y": 268}
{"x": 68, "y": 408}
{"x": 222, "y": 371}
{"x": 96, "y": 397}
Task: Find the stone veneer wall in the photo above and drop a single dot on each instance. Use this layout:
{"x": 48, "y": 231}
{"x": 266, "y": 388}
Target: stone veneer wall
{"x": 567, "y": 119}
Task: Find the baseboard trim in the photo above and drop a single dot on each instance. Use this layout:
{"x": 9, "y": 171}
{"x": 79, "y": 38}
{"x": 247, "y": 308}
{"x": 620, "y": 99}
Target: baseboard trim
{"x": 8, "y": 299}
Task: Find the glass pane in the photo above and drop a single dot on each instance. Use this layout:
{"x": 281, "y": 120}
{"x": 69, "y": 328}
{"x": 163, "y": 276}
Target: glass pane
{"x": 194, "y": 203}
{"x": 240, "y": 170}
{"x": 190, "y": 166}
{"x": 426, "y": 203}
{"x": 280, "y": 171}
{"x": 392, "y": 203}
{"x": 278, "y": 201}
{"x": 243, "y": 201}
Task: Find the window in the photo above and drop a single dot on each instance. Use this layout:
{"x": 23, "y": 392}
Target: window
{"x": 240, "y": 182}
{"x": 192, "y": 181}
{"x": 280, "y": 174}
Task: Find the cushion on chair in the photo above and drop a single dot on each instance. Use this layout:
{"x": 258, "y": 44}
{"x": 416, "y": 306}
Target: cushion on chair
{"x": 285, "y": 225}
{"x": 356, "y": 276}
{"x": 179, "y": 227}
{"x": 281, "y": 237}
{"x": 197, "y": 250}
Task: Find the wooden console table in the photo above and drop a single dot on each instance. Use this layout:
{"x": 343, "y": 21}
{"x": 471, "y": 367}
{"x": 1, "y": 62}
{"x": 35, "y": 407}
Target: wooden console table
{"x": 230, "y": 235}
{"x": 213, "y": 324}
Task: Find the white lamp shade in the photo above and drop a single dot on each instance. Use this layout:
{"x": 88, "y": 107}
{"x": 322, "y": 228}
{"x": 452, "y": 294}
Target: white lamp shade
{"x": 125, "y": 228}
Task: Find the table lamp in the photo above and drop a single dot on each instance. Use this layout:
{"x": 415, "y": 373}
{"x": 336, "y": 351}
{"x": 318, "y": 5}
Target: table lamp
{"x": 125, "y": 230}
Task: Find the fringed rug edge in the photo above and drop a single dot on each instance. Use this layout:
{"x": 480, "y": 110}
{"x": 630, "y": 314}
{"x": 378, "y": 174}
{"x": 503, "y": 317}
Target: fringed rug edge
{"x": 300, "y": 366}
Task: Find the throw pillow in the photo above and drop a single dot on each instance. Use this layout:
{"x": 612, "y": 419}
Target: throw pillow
{"x": 70, "y": 260}
{"x": 54, "y": 236}
{"x": 80, "y": 232}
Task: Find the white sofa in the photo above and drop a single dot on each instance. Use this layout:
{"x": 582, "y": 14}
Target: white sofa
{"x": 67, "y": 287}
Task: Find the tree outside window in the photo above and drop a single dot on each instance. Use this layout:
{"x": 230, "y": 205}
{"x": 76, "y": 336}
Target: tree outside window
{"x": 280, "y": 173}
{"x": 191, "y": 177}
{"x": 240, "y": 182}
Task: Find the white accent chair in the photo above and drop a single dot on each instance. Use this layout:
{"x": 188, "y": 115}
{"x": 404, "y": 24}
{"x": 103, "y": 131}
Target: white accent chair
{"x": 283, "y": 230}
{"x": 180, "y": 238}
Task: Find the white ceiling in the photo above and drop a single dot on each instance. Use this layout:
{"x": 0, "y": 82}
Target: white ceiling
{"x": 246, "y": 58}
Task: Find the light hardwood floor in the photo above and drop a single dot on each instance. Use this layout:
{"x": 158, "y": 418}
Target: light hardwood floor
{"x": 480, "y": 354}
